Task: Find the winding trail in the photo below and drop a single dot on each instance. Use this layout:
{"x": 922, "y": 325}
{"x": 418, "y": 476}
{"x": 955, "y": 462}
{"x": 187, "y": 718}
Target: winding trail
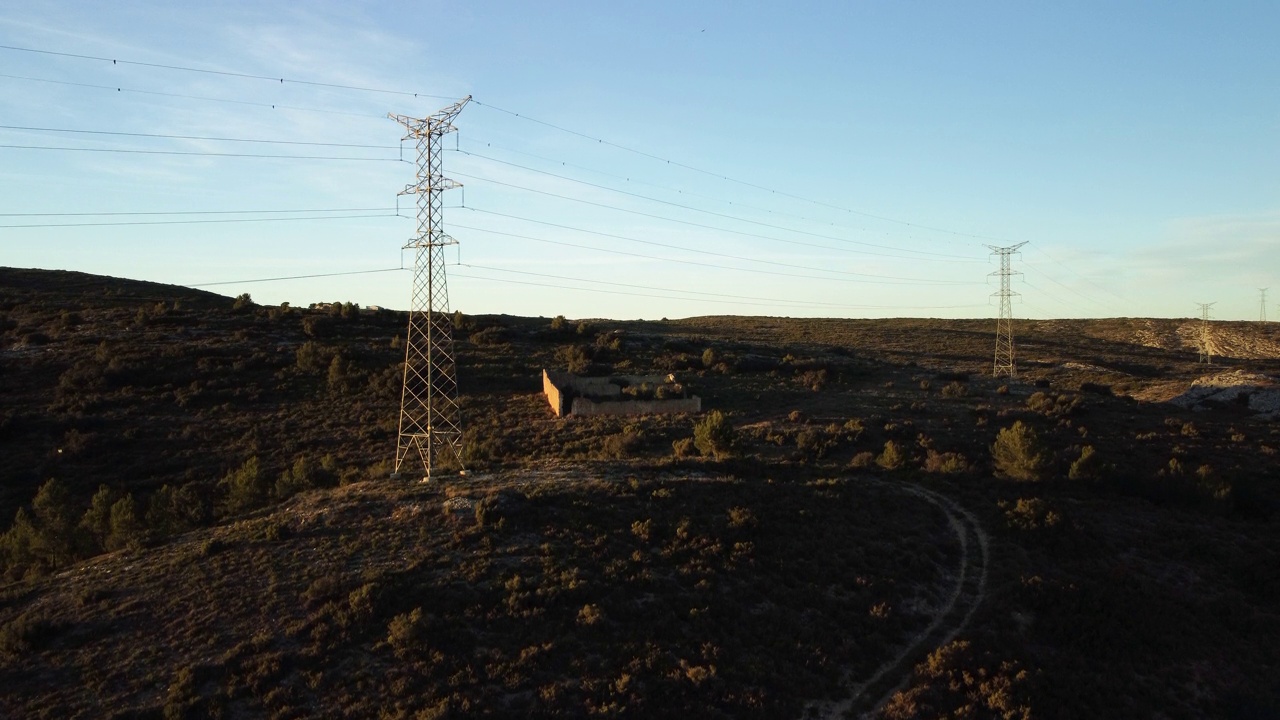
{"x": 866, "y": 697}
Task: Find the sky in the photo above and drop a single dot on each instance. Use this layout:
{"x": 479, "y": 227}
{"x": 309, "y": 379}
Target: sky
{"x": 660, "y": 159}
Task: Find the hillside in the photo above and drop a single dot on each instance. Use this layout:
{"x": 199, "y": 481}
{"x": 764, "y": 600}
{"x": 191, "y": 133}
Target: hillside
{"x": 202, "y": 523}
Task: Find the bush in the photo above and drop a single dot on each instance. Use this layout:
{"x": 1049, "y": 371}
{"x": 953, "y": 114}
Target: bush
{"x": 713, "y": 435}
{"x": 946, "y": 463}
{"x": 1018, "y": 454}
{"x": 406, "y": 632}
{"x": 1086, "y": 466}
{"x": 683, "y": 447}
{"x": 892, "y": 457}
{"x": 1031, "y": 514}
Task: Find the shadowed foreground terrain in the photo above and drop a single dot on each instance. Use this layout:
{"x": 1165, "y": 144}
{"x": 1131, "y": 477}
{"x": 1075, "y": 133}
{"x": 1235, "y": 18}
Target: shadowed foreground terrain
{"x": 200, "y": 524}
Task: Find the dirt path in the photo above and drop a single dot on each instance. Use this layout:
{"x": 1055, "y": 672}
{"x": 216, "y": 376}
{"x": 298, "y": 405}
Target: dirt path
{"x": 867, "y": 696}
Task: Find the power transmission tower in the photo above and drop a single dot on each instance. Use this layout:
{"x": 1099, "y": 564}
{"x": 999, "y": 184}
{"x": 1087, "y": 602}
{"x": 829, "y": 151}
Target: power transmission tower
{"x": 1206, "y": 350}
{"x": 430, "y": 420}
{"x": 1004, "y": 364}
{"x": 1262, "y": 306}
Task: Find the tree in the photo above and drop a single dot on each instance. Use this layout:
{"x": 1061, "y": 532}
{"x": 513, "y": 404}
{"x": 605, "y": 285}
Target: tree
{"x": 96, "y": 521}
{"x": 713, "y": 435}
{"x": 245, "y": 486}
{"x": 55, "y": 523}
{"x": 1018, "y": 454}
{"x": 126, "y": 529}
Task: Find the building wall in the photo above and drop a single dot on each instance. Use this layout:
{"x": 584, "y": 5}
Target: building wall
{"x": 553, "y": 394}
{"x": 564, "y": 393}
{"x": 586, "y": 407}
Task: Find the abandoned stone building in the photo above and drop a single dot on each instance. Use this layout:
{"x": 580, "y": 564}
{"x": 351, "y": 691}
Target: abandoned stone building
{"x": 616, "y": 395}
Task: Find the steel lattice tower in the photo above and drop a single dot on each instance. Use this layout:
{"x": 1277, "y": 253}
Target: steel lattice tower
{"x": 430, "y": 420}
{"x": 1262, "y": 306}
{"x": 1004, "y": 363}
{"x": 1206, "y": 350}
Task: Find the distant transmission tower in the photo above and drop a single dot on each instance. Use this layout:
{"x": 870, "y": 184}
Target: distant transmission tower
{"x": 1206, "y": 350}
{"x": 1004, "y": 364}
{"x": 430, "y": 420}
{"x": 1262, "y": 306}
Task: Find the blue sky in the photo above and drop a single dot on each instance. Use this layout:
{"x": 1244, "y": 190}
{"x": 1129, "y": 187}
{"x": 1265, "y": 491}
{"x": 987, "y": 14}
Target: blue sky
{"x": 833, "y": 159}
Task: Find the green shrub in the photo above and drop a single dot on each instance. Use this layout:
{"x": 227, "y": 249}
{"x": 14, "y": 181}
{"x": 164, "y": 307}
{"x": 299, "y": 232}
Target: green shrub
{"x": 1018, "y": 454}
{"x": 683, "y": 447}
{"x": 406, "y": 633}
{"x": 1031, "y": 514}
{"x": 947, "y": 463}
{"x": 714, "y": 436}
{"x": 892, "y": 457}
{"x": 1086, "y": 466}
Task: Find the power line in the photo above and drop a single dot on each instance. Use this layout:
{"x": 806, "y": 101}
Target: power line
{"x": 767, "y": 300}
{"x": 195, "y": 137}
{"x": 273, "y": 106}
{"x": 720, "y": 176}
{"x": 192, "y": 222}
{"x": 294, "y": 277}
{"x": 660, "y": 217}
{"x": 678, "y": 191}
{"x": 226, "y": 73}
{"x": 730, "y": 217}
{"x": 195, "y": 212}
{"x": 196, "y": 153}
{"x": 527, "y": 118}
{"x": 874, "y": 279}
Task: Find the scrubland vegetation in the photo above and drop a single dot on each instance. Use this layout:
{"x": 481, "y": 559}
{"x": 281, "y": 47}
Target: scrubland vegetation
{"x": 200, "y": 521}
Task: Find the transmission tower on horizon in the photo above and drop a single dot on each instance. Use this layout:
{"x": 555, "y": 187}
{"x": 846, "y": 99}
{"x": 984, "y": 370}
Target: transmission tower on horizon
{"x": 430, "y": 419}
{"x": 1004, "y": 361}
{"x": 1206, "y": 349}
{"x": 1262, "y": 306}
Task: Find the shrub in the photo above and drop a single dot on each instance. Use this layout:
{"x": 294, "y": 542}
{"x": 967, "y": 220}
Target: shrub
{"x": 713, "y": 435}
{"x": 946, "y": 463}
{"x": 25, "y": 633}
{"x": 242, "y": 303}
{"x": 1086, "y": 466}
{"x": 683, "y": 447}
{"x": 1018, "y": 454}
{"x": 892, "y": 457}
{"x": 1031, "y": 514}
{"x": 862, "y": 459}
{"x": 955, "y": 389}
{"x": 406, "y": 632}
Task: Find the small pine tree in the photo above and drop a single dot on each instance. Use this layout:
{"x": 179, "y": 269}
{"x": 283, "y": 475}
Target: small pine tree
{"x": 127, "y": 530}
{"x": 55, "y": 523}
{"x": 245, "y": 487}
{"x": 1018, "y": 454}
{"x": 17, "y": 547}
{"x": 338, "y": 374}
{"x": 96, "y": 521}
{"x": 713, "y": 435}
